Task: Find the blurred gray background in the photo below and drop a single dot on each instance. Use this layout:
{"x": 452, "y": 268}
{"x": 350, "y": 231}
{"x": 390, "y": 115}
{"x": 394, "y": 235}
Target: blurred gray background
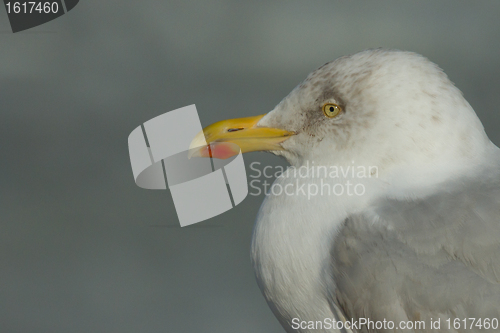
{"x": 82, "y": 248}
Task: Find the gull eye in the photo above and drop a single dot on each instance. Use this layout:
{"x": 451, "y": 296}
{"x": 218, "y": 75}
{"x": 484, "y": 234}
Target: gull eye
{"x": 331, "y": 110}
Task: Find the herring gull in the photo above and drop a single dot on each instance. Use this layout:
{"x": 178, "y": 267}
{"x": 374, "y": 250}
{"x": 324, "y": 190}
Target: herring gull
{"x": 421, "y": 245}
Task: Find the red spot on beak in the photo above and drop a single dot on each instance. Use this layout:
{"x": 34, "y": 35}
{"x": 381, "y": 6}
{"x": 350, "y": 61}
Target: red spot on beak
{"x": 223, "y": 150}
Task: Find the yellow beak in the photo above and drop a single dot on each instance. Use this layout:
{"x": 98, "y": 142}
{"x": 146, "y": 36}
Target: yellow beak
{"x": 225, "y": 138}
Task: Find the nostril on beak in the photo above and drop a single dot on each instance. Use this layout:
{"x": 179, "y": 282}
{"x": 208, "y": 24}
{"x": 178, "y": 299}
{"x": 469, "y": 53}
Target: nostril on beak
{"x": 234, "y": 129}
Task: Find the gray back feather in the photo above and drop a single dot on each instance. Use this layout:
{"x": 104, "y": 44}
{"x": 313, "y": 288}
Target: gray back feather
{"x": 436, "y": 257}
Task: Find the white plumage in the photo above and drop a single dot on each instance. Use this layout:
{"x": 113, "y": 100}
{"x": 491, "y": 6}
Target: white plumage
{"x": 423, "y": 241}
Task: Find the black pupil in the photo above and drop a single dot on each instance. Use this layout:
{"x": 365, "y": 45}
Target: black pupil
{"x": 331, "y": 108}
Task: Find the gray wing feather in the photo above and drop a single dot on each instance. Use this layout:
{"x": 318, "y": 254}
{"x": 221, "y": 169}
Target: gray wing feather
{"x": 437, "y": 257}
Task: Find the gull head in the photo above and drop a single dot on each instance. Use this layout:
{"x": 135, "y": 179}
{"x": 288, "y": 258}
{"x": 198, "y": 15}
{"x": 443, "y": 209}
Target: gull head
{"x": 391, "y": 109}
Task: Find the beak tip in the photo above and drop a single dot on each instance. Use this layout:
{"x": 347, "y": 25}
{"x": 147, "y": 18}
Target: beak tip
{"x": 197, "y": 143}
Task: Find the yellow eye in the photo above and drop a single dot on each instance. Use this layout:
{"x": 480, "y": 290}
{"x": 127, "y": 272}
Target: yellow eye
{"x": 331, "y": 110}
